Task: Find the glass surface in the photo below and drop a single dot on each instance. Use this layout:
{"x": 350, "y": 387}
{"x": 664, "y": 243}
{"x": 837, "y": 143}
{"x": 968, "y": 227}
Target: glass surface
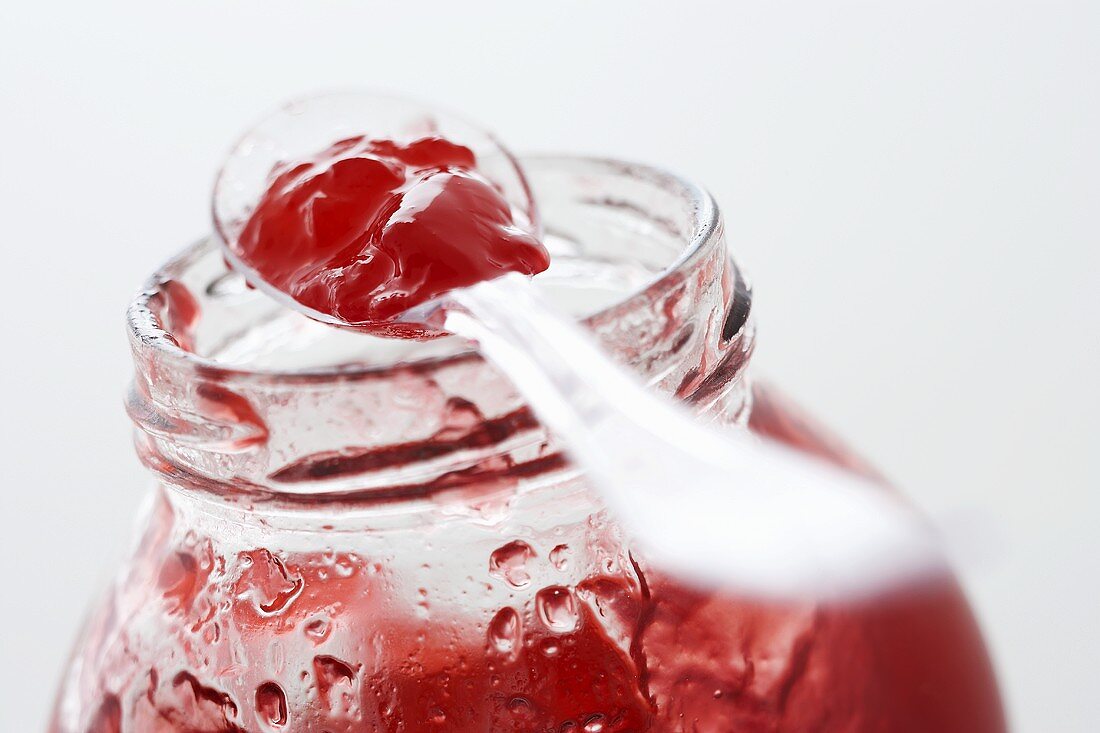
{"x": 355, "y": 534}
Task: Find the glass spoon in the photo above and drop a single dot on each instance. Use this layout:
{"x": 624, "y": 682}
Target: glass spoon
{"x": 718, "y": 507}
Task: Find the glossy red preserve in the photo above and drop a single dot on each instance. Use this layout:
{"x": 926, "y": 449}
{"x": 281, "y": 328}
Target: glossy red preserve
{"x": 371, "y": 228}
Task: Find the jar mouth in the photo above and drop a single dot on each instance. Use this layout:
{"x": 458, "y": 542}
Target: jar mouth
{"x": 235, "y": 394}
{"x": 158, "y": 321}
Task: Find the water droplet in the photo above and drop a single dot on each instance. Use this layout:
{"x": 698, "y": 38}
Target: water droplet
{"x": 504, "y": 630}
{"x": 550, "y": 647}
{"x": 520, "y": 707}
{"x": 557, "y": 608}
{"x": 317, "y": 629}
{"x": 276, "y": 655}
{"x": 594, "y": 724}
{"x": 509, "y": 563}
{"x": 717, "y": 694}
{"x": 183, "y": 577}
{"x": 271, "y": 586}
{"x": 559, "y": 557}
{"x": 335, "y": 679}
{"x": 332, "y": 671}
{"x": 271, "y": 704}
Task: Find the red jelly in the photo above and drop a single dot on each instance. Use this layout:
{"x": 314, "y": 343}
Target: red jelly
{"x": 370, "y": 228}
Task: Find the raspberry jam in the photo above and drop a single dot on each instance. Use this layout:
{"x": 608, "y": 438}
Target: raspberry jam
{"x": 354, "y": 534}
{"x": 370, "y": 228}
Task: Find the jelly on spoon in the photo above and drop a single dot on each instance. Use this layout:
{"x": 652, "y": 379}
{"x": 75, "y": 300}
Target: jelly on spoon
{"x": 356, "y": 208}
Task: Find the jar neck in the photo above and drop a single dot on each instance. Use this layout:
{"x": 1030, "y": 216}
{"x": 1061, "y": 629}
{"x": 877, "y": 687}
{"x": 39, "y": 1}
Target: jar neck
{"x": 217, "y": 412}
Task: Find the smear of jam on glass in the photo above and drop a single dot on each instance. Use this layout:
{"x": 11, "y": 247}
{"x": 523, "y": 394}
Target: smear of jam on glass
{"x": 367, "y": 229}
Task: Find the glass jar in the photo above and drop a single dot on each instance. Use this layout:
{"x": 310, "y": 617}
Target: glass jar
{"x": 355, "y": 534}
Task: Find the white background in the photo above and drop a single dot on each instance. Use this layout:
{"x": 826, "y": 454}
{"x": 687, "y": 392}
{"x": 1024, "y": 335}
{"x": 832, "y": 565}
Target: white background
{"x": 913, "y": 185}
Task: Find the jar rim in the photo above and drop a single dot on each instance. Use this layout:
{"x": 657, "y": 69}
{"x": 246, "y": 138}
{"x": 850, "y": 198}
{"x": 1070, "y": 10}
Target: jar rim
{"x": 147, "y": 332}
{"x": 228, "y": 385}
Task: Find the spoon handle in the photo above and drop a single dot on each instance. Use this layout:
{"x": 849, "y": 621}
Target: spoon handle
{"x": 720, "y": 507}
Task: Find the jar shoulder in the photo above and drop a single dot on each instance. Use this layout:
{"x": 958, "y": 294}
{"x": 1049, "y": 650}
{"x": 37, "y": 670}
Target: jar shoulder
{"x": 776, "y": 416}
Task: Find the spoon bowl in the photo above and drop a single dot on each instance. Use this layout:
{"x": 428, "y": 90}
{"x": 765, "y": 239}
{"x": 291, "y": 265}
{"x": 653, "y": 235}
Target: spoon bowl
{"x": 302, "y": 128}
